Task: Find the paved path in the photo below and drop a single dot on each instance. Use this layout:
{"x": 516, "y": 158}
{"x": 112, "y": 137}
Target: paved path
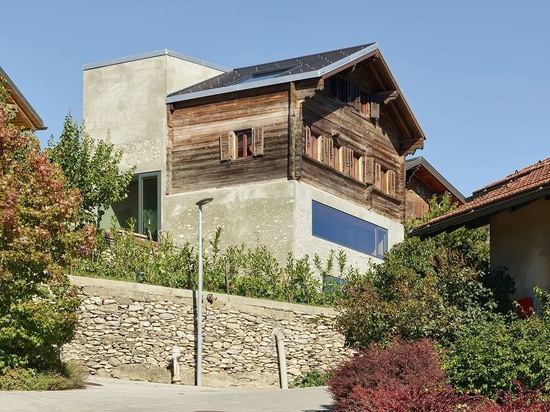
{"x": 113, "y": 395}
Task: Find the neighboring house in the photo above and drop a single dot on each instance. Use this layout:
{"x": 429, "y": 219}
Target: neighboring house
{"x": 424, "y": 182}
{"x": 25, "y": 117}
{"x": 303, "y": 155}
{"x": 517, "y": 208}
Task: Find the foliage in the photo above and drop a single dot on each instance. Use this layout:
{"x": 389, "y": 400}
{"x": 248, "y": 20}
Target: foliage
{"x": 65, "y": 376}
{"x": 311, "y": 379}
{"x": 407, "y": 376}
{"x": 37, "y": 240}
{"x": 424, "y": 289}
{"x": 503, "y": 354}
{"x": 237, "y": 269}
{"x": 91, "y": 166}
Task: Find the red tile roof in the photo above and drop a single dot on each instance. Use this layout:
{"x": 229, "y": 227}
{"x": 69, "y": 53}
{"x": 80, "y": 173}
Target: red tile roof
{"x": 514, "y": 186}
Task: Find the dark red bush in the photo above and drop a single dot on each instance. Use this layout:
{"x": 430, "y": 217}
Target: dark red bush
{"x": 400, "y": 366}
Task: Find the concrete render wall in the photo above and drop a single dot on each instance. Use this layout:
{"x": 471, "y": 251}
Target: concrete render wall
{"x": 127, "y": 330}
{"x": 275, "y": 213}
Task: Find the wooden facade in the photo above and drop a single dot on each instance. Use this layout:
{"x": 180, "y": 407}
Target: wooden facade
{"x": 343, "y": 133}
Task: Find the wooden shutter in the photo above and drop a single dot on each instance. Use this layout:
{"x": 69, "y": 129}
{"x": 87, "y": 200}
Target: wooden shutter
{"x": 348, "y": 161}
{"x": 257, "y": 141}
{"x": 374, "y": 110}
{"x": 226, "y": 145}
{"x": 369, "y": 169}
{"x": 326, "y": 154}
{"x": 377, "y": 175}
{"x": 307, "y": 140}
{"x": 392, "y": 182}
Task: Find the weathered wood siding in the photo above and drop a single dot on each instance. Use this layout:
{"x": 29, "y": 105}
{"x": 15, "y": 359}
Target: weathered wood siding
{"x": 327, "y": 116}
{"x": 193, "y": 158}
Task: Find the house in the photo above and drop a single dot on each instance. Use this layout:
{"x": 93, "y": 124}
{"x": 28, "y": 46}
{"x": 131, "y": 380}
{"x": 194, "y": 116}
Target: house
{"x": 517, "y": 208}
{"x": 25, "y": 117}
{"x": 424, "y": 182}
{"x": 302, "y": 155}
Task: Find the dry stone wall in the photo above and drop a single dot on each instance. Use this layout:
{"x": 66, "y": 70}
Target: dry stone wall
{"x": 127, "y": 330}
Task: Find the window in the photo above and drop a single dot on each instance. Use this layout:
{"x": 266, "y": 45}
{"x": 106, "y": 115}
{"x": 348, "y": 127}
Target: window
{"x": 334, "y": 153}
{"x": 142, "y": 206}
{"x": 348, "y": 231}
{"x": 238, "y": 144}
{"x": 348, "y": 92}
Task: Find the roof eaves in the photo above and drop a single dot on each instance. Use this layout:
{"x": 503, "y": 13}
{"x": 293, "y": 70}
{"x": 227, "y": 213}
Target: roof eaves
{"x": 21, "y": 101}
{"x": 485, "y": 211}
{"x": 423, "y": 162}
{"x": 149, "y": 55}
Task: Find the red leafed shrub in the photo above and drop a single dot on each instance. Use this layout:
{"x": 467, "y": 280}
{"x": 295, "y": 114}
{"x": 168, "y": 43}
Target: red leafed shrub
{"x": 399, "y": 366}
{"x": 411, "y": 399}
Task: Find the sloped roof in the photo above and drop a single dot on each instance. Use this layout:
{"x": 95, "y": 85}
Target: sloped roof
{"x": 26, "y": 117}
{"x": 281, "y": 71}
{"x": 514, "y": 191}
{"x": 428, "y": 175}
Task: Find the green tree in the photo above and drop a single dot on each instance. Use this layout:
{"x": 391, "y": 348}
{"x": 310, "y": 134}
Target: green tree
{"x": 91, "y": 166}
{"x": 426, "y": 288}
{"x": 38, "y": 216}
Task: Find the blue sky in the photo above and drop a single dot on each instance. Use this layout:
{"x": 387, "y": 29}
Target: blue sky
{"x": 475, "y": 73}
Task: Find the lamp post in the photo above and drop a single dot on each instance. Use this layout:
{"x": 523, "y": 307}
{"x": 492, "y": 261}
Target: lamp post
{"x": 200, "y": 204}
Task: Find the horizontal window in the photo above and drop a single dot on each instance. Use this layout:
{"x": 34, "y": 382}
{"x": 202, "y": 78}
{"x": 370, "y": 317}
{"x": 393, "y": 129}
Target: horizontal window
{"x": 348, "y": 231}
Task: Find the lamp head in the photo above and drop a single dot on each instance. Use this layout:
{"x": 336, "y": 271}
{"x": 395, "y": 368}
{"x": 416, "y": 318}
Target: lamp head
{"x": 204, "y": 201}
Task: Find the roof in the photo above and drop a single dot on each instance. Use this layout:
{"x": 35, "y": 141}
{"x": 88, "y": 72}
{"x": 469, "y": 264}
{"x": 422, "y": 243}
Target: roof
{"x": 512, "y": 192}
{"x": 281, "y": 71}
{"x": 149, "y": 55}
{"x": 314, "y": 66}
{"x": 427, "y": 174}
{"x": 26, "y": 117}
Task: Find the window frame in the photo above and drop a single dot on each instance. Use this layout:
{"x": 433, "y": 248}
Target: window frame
{"x": 347, "y": 230}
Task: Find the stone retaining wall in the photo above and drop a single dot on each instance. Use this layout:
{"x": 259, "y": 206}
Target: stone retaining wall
{"x": 128, "y": 330}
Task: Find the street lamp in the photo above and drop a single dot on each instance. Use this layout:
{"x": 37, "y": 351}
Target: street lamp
{"x": 200, "y": 204}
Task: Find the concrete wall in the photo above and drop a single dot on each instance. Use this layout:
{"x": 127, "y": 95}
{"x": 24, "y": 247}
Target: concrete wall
{"x": 275, "y": 213}
{"x": 128, "y": 330}
{"x": 127, "y": 98}
{"x": 520, "y": 242}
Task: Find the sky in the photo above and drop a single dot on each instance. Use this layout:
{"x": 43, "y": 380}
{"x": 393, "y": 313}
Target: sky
{"x": 476, "y": 73}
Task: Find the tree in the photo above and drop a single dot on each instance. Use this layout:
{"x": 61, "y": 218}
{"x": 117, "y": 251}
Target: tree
{"x": 91, "y": 166}
{"x": 38, "y": 216}
{"x": 425, "y": 289}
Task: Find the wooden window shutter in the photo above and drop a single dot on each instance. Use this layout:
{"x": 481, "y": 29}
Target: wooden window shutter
{"x": 374, "y": 110}
{"x": 369, "y": 169}
{"x": 257, "y": 141}
{"x": 326, "y": 154}
{"x": 365, "y": 106}
{"x": 226, "y": 145}
{"x": 307, "y": 140}
{"x": 348, "y": 161}
{"x": 377, "y": 175}
{"x": 392, "y": 182}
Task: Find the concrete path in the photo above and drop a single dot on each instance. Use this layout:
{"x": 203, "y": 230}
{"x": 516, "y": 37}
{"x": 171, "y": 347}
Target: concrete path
{"x": 113, "y": 395}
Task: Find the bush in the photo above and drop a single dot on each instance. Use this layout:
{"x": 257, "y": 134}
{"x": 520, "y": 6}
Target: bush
{"x": 311, "y": 379}
{"x": 500, "y": 356}
{"x": 237, "y": 270}
{"x": 400, "y": 366}
{"x": 65, "y": 376}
